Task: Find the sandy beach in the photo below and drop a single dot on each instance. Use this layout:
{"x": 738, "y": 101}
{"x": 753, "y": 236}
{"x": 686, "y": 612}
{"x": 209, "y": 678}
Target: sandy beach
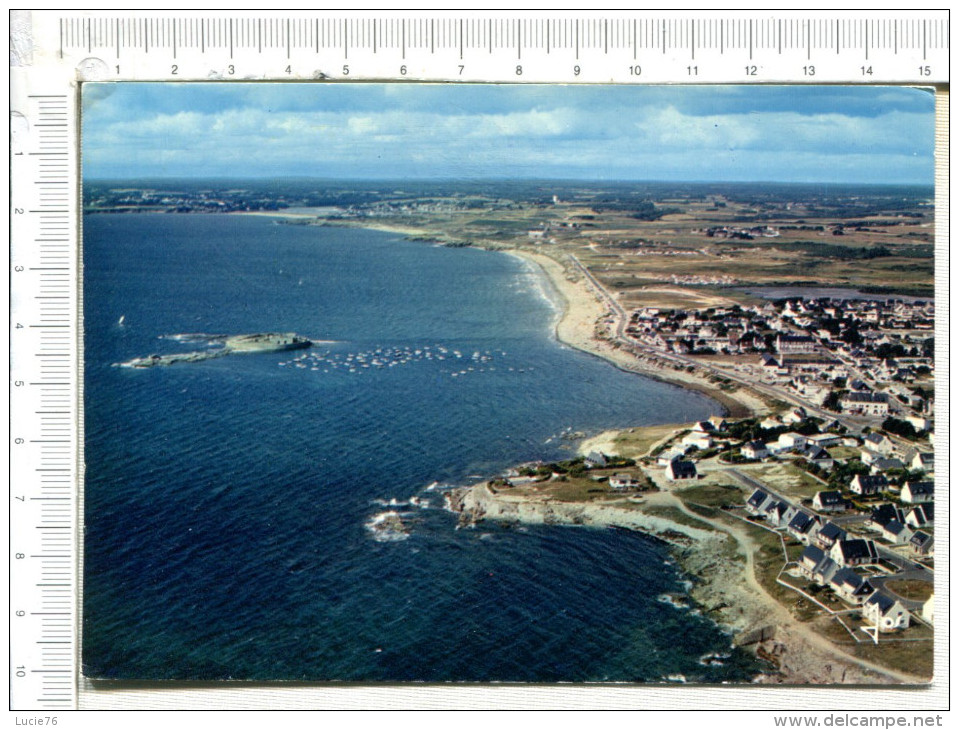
{"x": 581, "y": 326}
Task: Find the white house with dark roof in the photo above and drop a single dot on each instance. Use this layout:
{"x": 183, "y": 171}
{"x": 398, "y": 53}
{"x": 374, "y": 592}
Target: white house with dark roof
{"x": 917, "y": 492}
{"x": 623, "y": 481}
{"x": 828, "y": 501}
{"x": 854, "y": 552}
{"x": 810, "y": 559}
{"x": 866, "y": 485}
{"x": 778, "y": 513}
{"x": 680, "y": 470}
{"x": 895, "y": 532}
{"x": 879, "y": 443}
{"x": 884, "y": 612}
{"x": 595, "y": 459}
{"x": 757, "y": 502}
{"x": 921, "y": 543}
{"x": 818, "y": 456}
{"x": 828, "y": 535}
{"x": 851, "y": 587}
{"x": 865, "y": 404}
{"x": 921, "y": 515}
{"x": 924, "y": 460}
{"x": 883, "y": 513}
{"x": 755, "y": 450}
{"x": 885, "y": 464}
{"x": 803, "y": 526}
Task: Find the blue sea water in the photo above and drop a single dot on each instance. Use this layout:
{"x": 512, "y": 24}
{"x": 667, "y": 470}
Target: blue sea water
{"x": 226, "y": 500}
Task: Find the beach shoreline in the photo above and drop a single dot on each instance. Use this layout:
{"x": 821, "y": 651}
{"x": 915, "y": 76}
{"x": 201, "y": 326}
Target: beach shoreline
{"x": 579, "y": 327}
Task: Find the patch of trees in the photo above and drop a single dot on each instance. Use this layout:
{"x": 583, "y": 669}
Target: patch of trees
{"x": 900, "y": 428}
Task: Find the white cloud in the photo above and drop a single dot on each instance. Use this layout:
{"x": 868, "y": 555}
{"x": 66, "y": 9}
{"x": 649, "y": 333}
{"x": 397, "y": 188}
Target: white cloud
{"x": 558, "y": 138}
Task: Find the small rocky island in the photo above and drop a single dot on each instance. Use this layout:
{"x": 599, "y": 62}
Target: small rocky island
{"x": 222, "y": 345}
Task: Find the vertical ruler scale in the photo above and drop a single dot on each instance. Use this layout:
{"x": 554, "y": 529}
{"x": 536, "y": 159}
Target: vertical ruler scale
{"x": 43, "y": 398}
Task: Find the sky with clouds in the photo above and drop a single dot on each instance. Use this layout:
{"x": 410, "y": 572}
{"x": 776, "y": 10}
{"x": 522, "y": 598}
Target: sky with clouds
{"x": 436, "y": 131}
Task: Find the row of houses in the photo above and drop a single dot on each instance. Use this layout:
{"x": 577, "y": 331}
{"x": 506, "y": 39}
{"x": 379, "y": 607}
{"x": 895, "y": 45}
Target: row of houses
{"x": 879, "y": 609}
{"x": 811, "y": 528}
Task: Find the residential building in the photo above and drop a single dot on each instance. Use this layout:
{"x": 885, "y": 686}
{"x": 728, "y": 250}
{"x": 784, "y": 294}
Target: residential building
{"x": 895, "y": 532}
{"x": 917, "y": 492}
{"x": 884, "y": 612}
{"x": 866, "y": 485}
{"x": 803, "y": 526}
{"x": 755, "y": 450}
{"x": 854, "y": 552}
{"x": 680, "y": 470}
{"x": 851, "y": 587}
{"x": 921, "y": 543}
{"x": 794, "y": 344}
{"x": 757, "y": 502}
{"x": 829, "y": 535}
{"x": 828, "y": 501}
{"x": 884, "y": 513}
{"x": 623, "y": 481}
{"x": 865, "y": 404}
{"x": 880, "y": 443}
{"x": 921, "y": 515}
{"x": 595, "y": 460}
{"x": 924, "y": 460}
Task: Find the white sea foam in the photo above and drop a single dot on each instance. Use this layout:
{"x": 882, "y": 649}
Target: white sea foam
{"x": 387, "y": 527}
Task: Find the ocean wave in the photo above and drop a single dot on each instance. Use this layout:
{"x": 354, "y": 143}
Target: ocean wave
{"x": 714, "y": 659}
{"x": 387, "y": 527}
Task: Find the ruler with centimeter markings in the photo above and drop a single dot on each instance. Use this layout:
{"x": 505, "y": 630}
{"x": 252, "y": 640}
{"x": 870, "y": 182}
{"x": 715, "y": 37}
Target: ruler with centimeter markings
{"x": 54, "y": 52}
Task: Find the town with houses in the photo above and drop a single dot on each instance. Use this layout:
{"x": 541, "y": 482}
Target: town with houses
{"x": 842, "y": 475}
{"x": 857, "y": 535}
{"x": 857, "y": 357}
{"x": 865, "y": 370}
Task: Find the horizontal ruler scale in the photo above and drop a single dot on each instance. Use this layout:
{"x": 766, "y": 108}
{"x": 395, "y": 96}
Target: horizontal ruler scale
{"x": 629, "y": 49}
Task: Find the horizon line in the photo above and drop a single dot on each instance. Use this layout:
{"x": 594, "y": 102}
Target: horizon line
{"x": 214, "y": 178}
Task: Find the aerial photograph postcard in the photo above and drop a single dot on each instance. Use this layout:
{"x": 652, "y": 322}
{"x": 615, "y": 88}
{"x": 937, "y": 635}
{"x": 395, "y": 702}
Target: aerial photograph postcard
{"x": 433, "y": 383}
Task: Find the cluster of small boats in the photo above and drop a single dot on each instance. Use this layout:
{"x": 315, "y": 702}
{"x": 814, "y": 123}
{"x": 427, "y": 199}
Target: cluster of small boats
{"x": 463, "y": 363}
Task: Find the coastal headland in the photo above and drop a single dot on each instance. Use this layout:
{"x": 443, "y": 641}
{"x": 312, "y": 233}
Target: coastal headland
{"x": 222, "y": 345}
